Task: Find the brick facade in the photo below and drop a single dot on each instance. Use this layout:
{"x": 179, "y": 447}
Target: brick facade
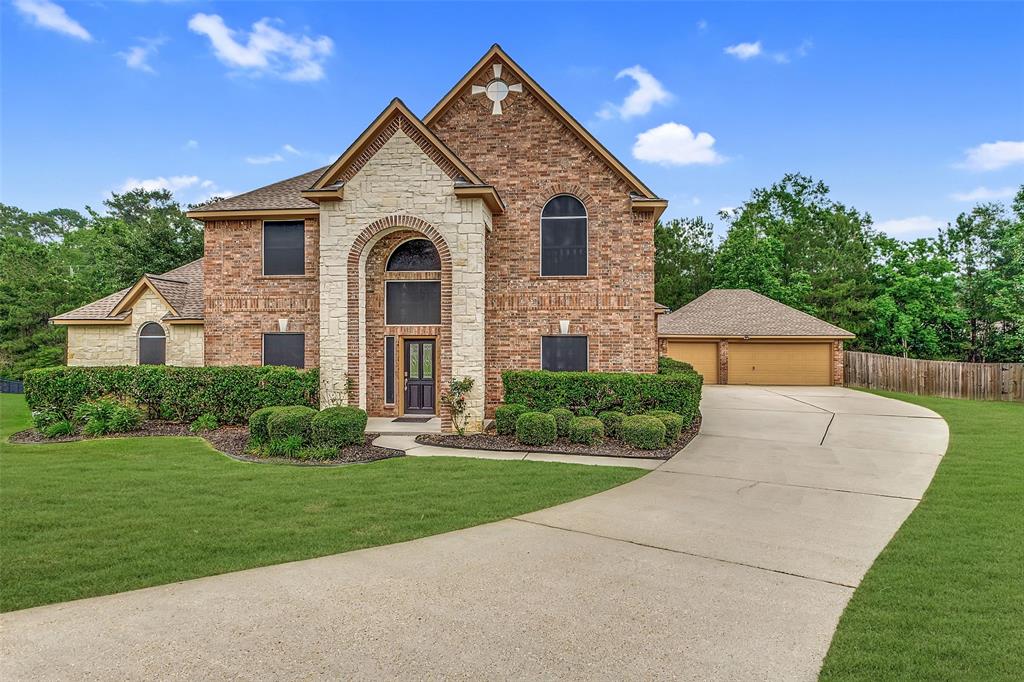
{"x": 241, "y": 303}
{"x": 530, "y": 155}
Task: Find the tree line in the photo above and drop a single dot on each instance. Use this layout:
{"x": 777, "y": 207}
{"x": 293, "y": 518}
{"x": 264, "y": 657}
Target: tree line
{"x": 956, "y": 296}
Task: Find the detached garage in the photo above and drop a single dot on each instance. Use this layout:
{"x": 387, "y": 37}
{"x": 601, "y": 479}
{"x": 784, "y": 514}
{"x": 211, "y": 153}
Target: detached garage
{"x": 737, "y": 336}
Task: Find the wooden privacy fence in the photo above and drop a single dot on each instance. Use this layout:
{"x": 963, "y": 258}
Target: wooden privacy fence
{"x": 973, "y": 380}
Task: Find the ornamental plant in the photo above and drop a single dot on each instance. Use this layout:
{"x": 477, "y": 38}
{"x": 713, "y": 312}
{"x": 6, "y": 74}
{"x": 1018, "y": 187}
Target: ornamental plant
{"x": 536, "y": 428}
{"x": 673, "y": 424}
{"x": 586, "y": 430}
{"x": 455, "y": 400}
{"x": 612, "y": 421}
{"x": 643, "y": 432}
{"x": 337, "y": 427}
{"x": 562, "y": 418}
{"x": 505, "y": 417}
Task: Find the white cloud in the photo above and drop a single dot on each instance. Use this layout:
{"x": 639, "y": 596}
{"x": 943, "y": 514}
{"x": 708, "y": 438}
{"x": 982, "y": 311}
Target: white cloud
{"x": 916, "y": 225}
{"x": 744, "y": 51}
{"x": 993, "y": 156}
{"x": 983, "y": 194}
{"x": 673, "y": 144}
{"x": 648, "y": 92}
{"x": 265, "y": 50}
{"x": 174, "y": 183}
{"x": 192, "y": 144}
{"x": 702, "y": 25}
{"x": 263, "y": 160}
{"x": 137, "y": 56}
{"x": 292, "y": 150}
{"x": 50, "y": 15}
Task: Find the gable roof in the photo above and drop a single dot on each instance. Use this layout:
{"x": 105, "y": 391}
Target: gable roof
{"x": 639, "y": 187}
{"x": 181, "y": 289}
{"x": 742, "y": 312}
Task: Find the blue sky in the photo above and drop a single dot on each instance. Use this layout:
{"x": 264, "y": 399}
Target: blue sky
{"x": 908, "y": 111}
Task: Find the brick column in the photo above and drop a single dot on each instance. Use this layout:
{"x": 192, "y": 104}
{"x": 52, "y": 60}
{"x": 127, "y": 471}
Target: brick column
{"x": 837, "y": 363}
{"x": 723, "y": 362}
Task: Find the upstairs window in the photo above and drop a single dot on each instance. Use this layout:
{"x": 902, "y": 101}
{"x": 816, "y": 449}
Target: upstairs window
{"x": 152, "y": 344}
{"x": 415, "y": 255}
{"x": 284, "y": 247}
{"x": 563, "y": 237}
{"x": 564, "y": 353}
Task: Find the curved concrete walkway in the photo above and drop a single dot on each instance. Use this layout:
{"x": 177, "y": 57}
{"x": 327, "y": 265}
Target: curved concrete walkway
{"x": 733, "y": 560}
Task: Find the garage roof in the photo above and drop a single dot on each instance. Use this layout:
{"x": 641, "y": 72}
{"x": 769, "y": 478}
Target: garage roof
{"x": 742, "y": 312}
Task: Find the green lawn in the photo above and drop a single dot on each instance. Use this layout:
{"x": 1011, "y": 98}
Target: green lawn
{"x": 103, "y": 516}
{"x": 945, "y": 599}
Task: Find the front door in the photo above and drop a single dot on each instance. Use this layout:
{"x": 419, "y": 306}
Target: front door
{"x": 419, "y": 376}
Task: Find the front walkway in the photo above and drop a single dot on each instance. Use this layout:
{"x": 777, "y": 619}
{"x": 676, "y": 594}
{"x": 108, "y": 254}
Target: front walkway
{"x": 733, "y": 560}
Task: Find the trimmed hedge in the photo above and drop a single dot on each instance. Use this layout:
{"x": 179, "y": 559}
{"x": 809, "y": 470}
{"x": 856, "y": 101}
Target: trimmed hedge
{"x": 612, "y": 421}
{"x": 505, "y": 417}
{"x": 536, "y": 428}
{"x": 678, "y": 391}
{"x": 295, "y": 420}
{"x": 338, "y": 426}
{"x": 562, "y": 418}
{"x": 231, "y": 394}
{"x": 258, "y": 432}
{"x": 643, "y": 431}
{"x": 673, "y": 424}
{"x": 586, "y": 430}
{"x": 667, "y": 365}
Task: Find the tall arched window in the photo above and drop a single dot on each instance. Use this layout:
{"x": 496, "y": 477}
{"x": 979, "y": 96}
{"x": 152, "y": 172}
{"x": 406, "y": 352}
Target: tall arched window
{"x": 415, "y": 255}
{"x": 563, "y": 237}
{"x": 152, "y": 344}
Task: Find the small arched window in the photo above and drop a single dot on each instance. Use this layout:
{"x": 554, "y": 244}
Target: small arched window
{"x": 415, "y": 255}
{"x": 152, "y": 344}
{"x": 563, "y": 237}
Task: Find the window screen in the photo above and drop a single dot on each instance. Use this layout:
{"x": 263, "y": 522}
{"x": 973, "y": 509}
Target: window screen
{"x": 284, "y": 349}
{"x": 284, "y": 250}
{"x": 563, "y": 237}
{"x": 152, "y": 344}
{"x": 414, "y": 255}
{"x": 389, "y": 370}
{"x": 413, "y": 302}
{"x": 563, "y": 353}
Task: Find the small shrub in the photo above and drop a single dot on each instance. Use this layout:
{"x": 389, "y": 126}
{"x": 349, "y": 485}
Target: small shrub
{"x": 536, "y": 428}
{"x": 336, "y": 427}
{"x": 125, "y": 418}
{"x": 673, "y": 424}
{"x": 288, "y": 446}
{"x": 612, "y": 420}
{"x": 205, "y": 422}
{"x": 295, "y": 420}
{"x": 643, "y": 432}
{"x": 58, "y": 429}
{"x": 317, "y": 453}
{"x": 258, "y": 431}
{"x": 45, "y": 418}
{"x": 505, "y": 417}
{"x": 562, "y": 418}
{"x": 455, "y": 400}
{"x": 586, "y": 430}
{"x": 107, "y": 415}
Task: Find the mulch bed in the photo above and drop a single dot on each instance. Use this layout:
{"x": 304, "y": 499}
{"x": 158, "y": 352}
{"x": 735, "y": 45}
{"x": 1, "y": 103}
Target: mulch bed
{"x": 230, "y": 440}
{"x": 610, "y": 448}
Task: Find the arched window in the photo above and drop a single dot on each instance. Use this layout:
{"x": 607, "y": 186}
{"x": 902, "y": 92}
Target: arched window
{"x": 152, "y": 344}
{"x": 415, "y": 255}
{"x": 563, "y": 237}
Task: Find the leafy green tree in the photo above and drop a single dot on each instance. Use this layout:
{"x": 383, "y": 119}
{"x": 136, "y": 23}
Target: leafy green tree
{"x": 749, "y": 259}
{"x": 684, "y": 256}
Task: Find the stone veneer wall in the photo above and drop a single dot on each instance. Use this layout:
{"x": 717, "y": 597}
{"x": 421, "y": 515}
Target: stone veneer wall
{"x": 530, "y": 155}
{"x": 397, "y": 188}
{"x": 118, "y": 344}
{"x": 241, "y": 303}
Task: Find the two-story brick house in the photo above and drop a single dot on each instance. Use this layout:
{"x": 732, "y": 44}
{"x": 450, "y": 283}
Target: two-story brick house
{"x": 493, "y": 233}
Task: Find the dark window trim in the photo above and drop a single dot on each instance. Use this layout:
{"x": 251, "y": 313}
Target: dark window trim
{"x": 263, "y": 348}
{"x": 440, "y": 316}
{"x": 586, "y": 216}
{"x": 564, "y": 336}
{"x": 263, "y": 246}
{"x": 389, "y": 369}
{"x": 138, "y": 343}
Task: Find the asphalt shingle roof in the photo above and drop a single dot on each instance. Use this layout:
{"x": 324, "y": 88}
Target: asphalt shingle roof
{"x": 182, "y": 287}
{"x": 742, "y": 312}
{"x": 283, "y": 194}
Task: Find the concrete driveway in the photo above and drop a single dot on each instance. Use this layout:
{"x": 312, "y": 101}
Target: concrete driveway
{"x": 733, "y": 560}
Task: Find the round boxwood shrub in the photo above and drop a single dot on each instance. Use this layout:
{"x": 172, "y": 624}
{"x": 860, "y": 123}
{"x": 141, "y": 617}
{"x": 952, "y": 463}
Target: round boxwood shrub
{"x": 612, "y": 421}
{"x": 505, "y": 417}
{"x": 258, "y": 431}
{"x": 536, "y": 428}
{"x": 294, "y": 420}
{"x": 562, "y": 418}
{"x": 643, "y": 431}
{"x": 673, "y": 423}
{"x": 586, "y": 430}
{"x": 338, "y": 426}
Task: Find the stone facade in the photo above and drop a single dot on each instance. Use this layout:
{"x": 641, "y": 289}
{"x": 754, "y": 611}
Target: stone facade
{"x": 241, "y": 303}
{"x": 399, "y": 188}
{"x": 530, "y": 155}
{"x": 118, "y": 344}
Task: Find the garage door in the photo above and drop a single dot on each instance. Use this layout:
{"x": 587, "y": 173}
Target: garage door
{"x": 781, "y": 364}
{"x": 703, "y": 357}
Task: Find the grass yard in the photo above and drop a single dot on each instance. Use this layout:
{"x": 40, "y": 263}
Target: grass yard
{"x": 945, "y": 599}
{"x": 103, "y": 516}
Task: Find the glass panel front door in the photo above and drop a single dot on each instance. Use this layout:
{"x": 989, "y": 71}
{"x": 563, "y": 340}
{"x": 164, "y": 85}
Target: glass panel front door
{"x": 419, "y": 377}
